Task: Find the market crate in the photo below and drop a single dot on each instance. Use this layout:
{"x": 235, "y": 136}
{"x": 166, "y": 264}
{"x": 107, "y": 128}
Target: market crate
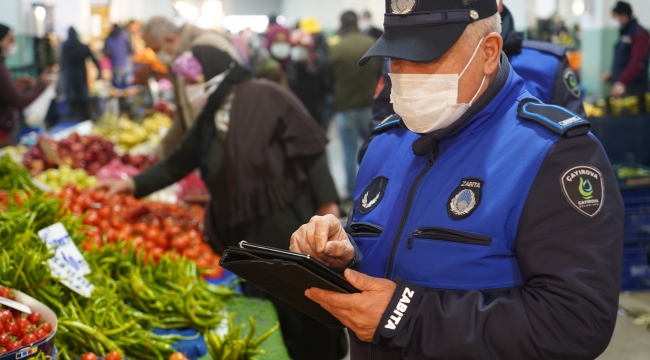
{"x": 636, "y": 272}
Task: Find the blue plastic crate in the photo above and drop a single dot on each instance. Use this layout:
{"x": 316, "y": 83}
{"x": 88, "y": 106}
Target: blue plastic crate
{"x": 635, "y": 277}
{"x": 636, "y": 272}
{"x": 635, "y": 251}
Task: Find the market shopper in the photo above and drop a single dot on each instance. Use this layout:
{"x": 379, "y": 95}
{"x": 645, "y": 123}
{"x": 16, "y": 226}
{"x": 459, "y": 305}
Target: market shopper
{"x": 486, "y": 225}
{"x": 118, "y": 48}
{"x": 169, "y": 41}
{"x": 354, "y": 89}
{"x": 543, "y": 66}
{"x": 262, "y": 158}
{"x": 629, "y": 73}
{"x": 12, "y": 98}
{"x": 75, "y": 79}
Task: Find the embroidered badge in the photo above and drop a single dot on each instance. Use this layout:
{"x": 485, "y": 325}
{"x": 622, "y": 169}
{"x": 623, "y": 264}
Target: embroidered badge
{"x": 372, "y": 195}
{"x": 465, "y": 199}
{"x": 571, "y": 82}
{"x": 402, "y": 6}
{"x": 584, "y": 188}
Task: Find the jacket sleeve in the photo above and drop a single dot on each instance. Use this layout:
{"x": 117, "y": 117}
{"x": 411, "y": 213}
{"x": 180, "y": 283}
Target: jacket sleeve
{"x": 176, "y": 166}
{"x": 381, "y": 109}
{"x": 640, "y": 51}
{"x": 565, "y": 93}
{"x": 571, "y": 265}
{"x": 12, "y": 96}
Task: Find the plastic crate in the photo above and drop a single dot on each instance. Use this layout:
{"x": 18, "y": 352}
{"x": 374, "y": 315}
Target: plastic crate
{"x": 636, "y": 272}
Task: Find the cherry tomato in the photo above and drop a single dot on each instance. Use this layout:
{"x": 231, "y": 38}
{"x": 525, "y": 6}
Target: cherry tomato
{"x": 126, "y": 232}
{"x": 193, "y": 234}
{"x": 113, "y": 355}
{"x": 4, "y": 340}
{"x": 40, "y": 334}
{"x": 203, "y": 263}
{"x": 104, "y": 212}
{"x": 116, "y": 222}
{"x": 47, "y": 327}
{"x": 149, "y": 245}
{"x": 176, "y": 356}
{"x": 2, "y": 328}
{"x": 152, "y": 234}
{"x": 11, "y": 327}
{"x": 15, "y": 345}
{"x": 180, "y": 243}
{"x": 89, "y": 356}
{"x": 35, "y": 317}
{"x": 29, "y": 339}
{"x": 22, "y": 322}
{"x": 98, "y": 196}
{"x": 91, "y": 218}
{"x": 173, "y": 231}
{"x": 104, "y": 225}
{"x": 112, "y": 235}
{"x": 138, "y": 241}
{"x": 140, "y": 228}
{"x": 93, "y": 231}
{"x": 5, "y": 315}
{"x": 191, "y": 253}
{"x": 7, "y": 293}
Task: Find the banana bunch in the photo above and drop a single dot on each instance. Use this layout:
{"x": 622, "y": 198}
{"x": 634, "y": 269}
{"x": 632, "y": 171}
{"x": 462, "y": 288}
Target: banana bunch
{"x": 232, "y": 347}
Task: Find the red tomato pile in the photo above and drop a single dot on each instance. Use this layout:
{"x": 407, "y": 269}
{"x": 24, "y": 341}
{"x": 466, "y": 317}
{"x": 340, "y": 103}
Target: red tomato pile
{"x": 113, "y": 355}
{"x": 155, "y": 227}
{"x": 18, "y": 329}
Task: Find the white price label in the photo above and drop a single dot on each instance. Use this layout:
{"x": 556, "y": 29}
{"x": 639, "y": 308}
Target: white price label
{"x": 67, "y": 264}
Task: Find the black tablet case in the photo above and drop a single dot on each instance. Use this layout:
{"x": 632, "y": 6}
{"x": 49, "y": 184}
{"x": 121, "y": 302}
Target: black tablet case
{"x": 287, "y": 277}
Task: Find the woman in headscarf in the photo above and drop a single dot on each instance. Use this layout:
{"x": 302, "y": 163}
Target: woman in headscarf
{"x": 75, "y": 79}
{"x": 262, "y": 158}
{"x": 278, "y": 44}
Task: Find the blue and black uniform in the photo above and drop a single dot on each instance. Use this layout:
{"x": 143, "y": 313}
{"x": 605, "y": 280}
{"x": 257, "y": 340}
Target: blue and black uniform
{"x": 543, "y": 66}
{"x": 503, "y": 233}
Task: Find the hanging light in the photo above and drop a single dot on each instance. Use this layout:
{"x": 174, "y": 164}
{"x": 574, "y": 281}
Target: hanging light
{"x": 39, "y": 13}
{"x": 578, "y": 7}
{"x": 212, "y": 8}
{"x": 186, "y": 10}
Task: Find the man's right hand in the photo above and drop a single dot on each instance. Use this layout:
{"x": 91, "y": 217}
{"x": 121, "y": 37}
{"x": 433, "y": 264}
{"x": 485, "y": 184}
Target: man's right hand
{"x": 606, "y": 77}
{"x": 324, "y": 239}
{"x": 116, "y": 186}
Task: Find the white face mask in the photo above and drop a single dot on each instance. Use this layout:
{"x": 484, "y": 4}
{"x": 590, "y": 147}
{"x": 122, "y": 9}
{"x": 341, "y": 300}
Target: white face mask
{"x": 299, "y": 53}
{"x": 165, "y": 57}
{"x": 429, "y": 102}
{"x": 197, "y": 94}
{"x": 12, "y": 50}
{"x": 281, "y": 51}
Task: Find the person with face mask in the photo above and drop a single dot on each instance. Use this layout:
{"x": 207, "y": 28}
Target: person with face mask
{"x": 307, "y": 72}
{"x": 278, "y": 45}
{"x": 12, "y": 99}
{"x": 368, "y": 28}
{"x": 169, "y": 41}
{"x": 629, "y": 73}
{"x": 486, "y": 224}
{"x": 262, "y": 158}
{"x": 543, "y": 66}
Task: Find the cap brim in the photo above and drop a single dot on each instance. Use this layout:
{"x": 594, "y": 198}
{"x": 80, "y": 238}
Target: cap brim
{"x": 420, "y": 44}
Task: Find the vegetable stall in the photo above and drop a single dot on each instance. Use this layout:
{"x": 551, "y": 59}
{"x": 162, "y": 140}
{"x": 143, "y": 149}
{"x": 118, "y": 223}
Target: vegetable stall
{"x": 125, "y": 278}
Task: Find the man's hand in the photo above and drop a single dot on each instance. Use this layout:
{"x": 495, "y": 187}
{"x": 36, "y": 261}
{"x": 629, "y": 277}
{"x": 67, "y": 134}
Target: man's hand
{"x": 362, "y": 312}
{"x": 618, "y": 89}
{"x": 24, "y": 82}
{"x": 325, "y": 240}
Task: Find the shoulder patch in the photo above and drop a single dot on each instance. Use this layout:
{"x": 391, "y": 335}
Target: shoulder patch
{"x": 388, "y": 123}
{"x": 584, "y": 189}
{"x": 571, "y": 82}
{"x": 557, "y": 50}
{"x": 555, "y": 118}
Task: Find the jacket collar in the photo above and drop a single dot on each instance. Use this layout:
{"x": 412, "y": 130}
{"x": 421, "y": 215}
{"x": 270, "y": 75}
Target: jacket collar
{"x": 500, "y": 94}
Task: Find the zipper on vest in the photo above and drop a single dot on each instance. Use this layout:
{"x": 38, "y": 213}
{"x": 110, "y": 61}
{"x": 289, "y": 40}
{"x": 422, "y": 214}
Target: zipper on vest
{"x": 449, "y": 235}
{"x": 409, "y": 202}
{"x": 364, "y": 229}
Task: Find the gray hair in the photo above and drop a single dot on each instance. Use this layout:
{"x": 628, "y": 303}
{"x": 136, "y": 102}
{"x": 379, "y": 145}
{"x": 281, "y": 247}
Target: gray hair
{"x": 158, "y": 26}
{"x": 481, "y": 28}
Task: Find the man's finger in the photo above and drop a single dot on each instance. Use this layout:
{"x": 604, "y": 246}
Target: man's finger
{"x": 360, "y": 281}
{"x": 330, "y": 298}
{"x": 321, "y": 234}
{"x": 336, "y": 248}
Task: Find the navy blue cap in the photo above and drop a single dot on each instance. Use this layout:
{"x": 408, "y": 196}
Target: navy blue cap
{"x": 424, "y": 30}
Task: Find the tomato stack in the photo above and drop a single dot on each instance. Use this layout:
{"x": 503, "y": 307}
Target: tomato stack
{"x": 18, "y": 329}
{"x": 154, "y": 227}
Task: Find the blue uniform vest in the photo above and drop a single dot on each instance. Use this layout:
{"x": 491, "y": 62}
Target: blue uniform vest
{"x": 538, "y": 63}
{"x": 407, "y": 233}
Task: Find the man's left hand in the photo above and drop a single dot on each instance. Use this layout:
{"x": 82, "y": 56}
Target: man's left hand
{"x": 360, "y": 312}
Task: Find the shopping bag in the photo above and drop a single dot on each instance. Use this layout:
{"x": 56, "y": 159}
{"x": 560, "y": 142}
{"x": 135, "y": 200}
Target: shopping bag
{"x": 36, "y": 111}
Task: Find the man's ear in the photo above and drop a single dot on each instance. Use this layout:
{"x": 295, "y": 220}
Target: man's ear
{"x": 493, "y": 46}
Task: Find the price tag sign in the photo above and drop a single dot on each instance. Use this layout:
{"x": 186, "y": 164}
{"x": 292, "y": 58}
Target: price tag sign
{"x": 67, "y": 264}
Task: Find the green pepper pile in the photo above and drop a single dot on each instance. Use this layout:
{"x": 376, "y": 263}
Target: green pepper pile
{"x": 232, "y": 347}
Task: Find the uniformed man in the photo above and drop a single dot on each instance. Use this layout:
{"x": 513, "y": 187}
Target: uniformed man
{"x": 543, "y": 66}
{"x": 485, "y": 225}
